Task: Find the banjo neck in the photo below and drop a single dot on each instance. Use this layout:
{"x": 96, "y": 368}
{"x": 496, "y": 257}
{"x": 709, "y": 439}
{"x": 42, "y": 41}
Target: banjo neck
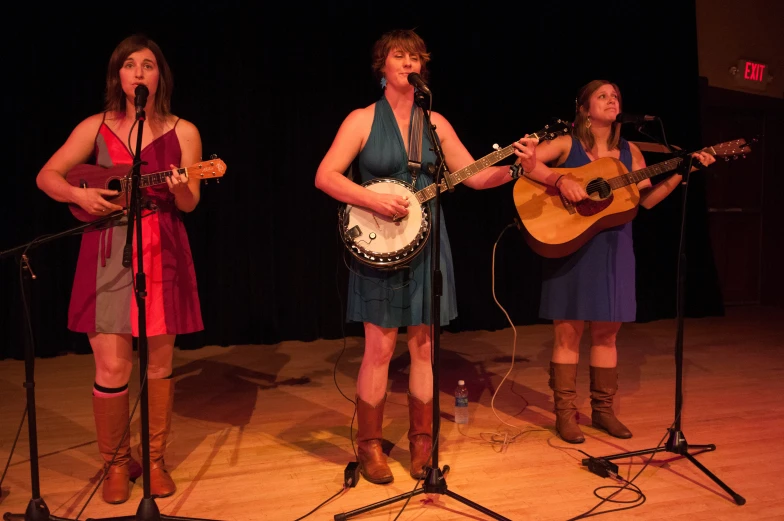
{"x": 461, "y": 175}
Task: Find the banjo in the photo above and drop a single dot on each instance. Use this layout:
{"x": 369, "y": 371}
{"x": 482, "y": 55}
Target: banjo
{"x": 381, "y": 242}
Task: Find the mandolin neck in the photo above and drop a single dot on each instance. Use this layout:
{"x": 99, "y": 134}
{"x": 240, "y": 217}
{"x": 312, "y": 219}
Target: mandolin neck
{"x": 157, "y": 178}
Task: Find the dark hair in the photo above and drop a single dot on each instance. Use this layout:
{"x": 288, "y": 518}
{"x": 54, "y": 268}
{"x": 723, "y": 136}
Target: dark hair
{"x": 404, "y": 39}
{"x": 115, "y": 97}
{"x": 582, "y": 108}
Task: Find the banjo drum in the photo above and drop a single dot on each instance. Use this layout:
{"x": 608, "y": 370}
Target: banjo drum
{"x": 379, "y": 241}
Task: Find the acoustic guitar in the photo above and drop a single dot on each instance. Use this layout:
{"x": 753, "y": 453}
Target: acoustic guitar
{"x": 555, "y": 227}
{"x": 118, "y": 178}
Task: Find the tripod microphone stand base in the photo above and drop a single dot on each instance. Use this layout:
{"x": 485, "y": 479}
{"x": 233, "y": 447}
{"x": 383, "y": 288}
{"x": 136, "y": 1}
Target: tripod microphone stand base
{"x": 36, "y": 511}
{"x": 676, "y": 444}
{"x": 434, "y": 483}
{"x": 147, "y": 511}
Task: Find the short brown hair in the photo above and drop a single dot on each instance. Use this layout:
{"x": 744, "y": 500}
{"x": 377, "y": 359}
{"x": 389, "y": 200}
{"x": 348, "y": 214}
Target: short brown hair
{"x": 115, "y": 97}
{"x": 582, "y": 108}
{"x": 404, "y": 39}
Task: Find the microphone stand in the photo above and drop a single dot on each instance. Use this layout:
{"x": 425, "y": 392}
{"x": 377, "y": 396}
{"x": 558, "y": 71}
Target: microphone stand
{"x": 37, "y": 510}
{"x": 148, "y": 509}
{"x": 434, "y": 482}
{"x": 676, "y": 442}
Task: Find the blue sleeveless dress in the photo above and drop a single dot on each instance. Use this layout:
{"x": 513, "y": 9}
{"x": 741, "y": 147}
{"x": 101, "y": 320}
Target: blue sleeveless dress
{"x": 596, "y": 283}
{"x": 401, "y": 297}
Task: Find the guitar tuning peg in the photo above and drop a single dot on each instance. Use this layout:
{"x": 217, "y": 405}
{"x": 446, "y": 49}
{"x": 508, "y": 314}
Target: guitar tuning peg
{"x": 496, "y": 146}
{"x": 213, "y": 156}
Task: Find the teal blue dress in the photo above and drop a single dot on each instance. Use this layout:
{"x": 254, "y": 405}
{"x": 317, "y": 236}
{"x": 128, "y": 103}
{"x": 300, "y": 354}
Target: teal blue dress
{"x": 401, "y": 297}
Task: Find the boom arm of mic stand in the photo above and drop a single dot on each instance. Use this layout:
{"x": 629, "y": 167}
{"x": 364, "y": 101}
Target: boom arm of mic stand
{"x": 71, "y": 231}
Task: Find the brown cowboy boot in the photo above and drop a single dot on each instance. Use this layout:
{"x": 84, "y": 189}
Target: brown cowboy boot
{"x": 604, "y": 384}
{"x": 372, "y": 461}
{"x": 111, "y": 423}
{"x": 563, "y": 382}
{"x": 160, "y": 396}
{"x": 420, "y": 435}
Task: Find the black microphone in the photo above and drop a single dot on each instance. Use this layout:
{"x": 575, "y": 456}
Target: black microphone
{"x": 633, "y": 118}
{"x": 417, "y": 81}
{"x": 141, "y": 98}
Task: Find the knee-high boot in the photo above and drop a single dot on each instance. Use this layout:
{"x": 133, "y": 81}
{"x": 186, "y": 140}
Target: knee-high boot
{"x": 604, "y": 385}
{"x": 420, "y": 435}
{"x": 160, "y": 397}
{"x": 111, "y": 422}
{"x": 563, "y": 382}
{"x": 372, "y": 460}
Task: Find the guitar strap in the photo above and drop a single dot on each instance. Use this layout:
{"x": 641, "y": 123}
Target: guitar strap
{"x": 415, "y": 144}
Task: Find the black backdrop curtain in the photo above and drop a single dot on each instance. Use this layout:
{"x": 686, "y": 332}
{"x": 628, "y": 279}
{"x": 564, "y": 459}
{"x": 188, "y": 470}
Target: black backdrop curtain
{"x": 268, "y": 87}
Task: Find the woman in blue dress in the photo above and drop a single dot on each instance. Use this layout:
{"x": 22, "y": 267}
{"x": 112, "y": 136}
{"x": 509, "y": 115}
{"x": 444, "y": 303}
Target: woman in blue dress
{"x": 596, "y": 284}
{"x": 385, "y": 300}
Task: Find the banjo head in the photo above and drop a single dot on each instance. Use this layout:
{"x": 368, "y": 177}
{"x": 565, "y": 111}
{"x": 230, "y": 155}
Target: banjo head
{"x": 376, "y": 239}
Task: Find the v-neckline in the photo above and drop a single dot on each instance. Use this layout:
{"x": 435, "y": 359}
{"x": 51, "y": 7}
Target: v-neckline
{"x": 399, "y": 134}
{"x": 125, "y": 147}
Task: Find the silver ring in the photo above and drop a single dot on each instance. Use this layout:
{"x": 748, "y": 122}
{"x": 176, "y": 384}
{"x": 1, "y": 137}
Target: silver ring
{"x": 394, "y": 216}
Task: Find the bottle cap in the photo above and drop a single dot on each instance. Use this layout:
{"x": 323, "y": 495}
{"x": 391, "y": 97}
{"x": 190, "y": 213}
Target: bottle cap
{"x": 461, "y": 382}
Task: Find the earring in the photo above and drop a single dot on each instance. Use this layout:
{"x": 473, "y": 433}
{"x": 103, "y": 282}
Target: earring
{"x": 588, "y": 123}
{"x": 383, "y": 82}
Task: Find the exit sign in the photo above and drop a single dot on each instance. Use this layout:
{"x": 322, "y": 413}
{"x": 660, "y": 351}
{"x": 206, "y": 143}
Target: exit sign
{"x": 751, "y": 74}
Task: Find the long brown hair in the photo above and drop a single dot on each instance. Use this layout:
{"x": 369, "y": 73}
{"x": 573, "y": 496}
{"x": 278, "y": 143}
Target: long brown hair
{"x": 115, "y": 97}
{"x": 404, "y": 39}
{"x": 582, "y": 107}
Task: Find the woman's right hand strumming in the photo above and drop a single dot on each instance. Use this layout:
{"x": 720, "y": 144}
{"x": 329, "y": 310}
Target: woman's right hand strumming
{"x": 390, "y": 205}
{"x": 95, "y": 200}
{"x": 571, "y": 189}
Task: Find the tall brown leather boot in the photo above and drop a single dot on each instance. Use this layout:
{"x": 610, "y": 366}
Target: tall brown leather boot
{"x": 420, "y": 435}
{"x": 372, "y": 460}
{"x": 111, "y": 422}
{"x": 160, "y": 396}
{"x": 563, "y": 382}
{"x": 604, "y": 385}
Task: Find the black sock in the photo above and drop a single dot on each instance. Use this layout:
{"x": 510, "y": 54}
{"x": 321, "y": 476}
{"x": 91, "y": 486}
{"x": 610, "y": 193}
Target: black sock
{"x": 109, "y": 390}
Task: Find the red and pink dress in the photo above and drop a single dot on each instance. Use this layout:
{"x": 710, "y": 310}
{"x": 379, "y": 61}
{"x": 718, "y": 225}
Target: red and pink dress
{"x": 102, "y": 299}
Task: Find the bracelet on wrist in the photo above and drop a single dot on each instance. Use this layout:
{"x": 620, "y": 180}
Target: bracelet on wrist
{"x": 558, "y": 180}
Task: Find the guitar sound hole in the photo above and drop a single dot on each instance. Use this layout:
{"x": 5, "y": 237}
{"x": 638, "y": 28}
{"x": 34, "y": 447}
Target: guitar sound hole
{"x": 598, "y": 189}
{"x": 114, "y": 184}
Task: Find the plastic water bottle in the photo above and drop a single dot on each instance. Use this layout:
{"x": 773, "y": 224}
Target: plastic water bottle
{"x": 461, "y": 402}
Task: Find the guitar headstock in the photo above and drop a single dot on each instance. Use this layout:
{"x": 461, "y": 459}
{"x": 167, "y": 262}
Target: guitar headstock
{"x": 557, "y": 127}
{"x": 731, "y": 149}
{"x": 213, "y": 168}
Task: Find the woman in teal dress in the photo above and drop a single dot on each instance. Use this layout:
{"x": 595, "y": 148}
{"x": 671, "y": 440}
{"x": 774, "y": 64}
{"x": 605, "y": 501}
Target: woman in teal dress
{"x": 386, "y": 300}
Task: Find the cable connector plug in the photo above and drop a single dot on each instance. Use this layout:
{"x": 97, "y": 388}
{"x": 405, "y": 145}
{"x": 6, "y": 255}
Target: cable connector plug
{"x": 602, "y": 467}
{"x": 351, "y": 474}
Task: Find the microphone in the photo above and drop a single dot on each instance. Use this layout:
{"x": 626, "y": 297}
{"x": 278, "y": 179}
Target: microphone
{"x": 140, "y": 100}
{"x": 633, "y": 118}
{"x": 417, "y": 81}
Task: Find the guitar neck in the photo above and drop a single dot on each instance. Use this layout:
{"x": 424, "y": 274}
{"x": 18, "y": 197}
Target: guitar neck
{"x": 644, "y": 173}
{"x": 157, "y": 178}
{"x": 461, "y": 175}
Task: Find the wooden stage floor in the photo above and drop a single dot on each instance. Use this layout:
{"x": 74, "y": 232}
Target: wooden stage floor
{"x": 262, "y": 432}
